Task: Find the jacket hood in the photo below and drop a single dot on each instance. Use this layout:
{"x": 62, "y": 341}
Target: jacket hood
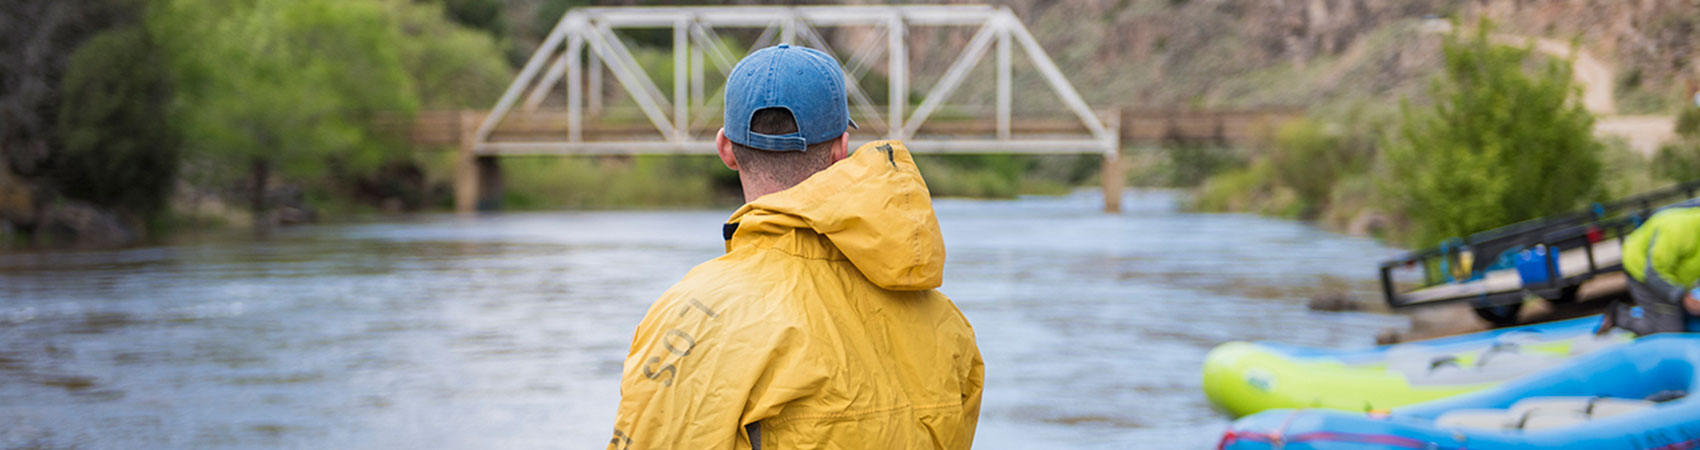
{"x": 873, "y": 206}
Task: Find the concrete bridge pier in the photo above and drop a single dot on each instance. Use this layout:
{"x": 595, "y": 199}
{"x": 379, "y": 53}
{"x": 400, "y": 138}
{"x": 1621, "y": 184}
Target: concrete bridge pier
{"x": 478, "y": 184}
{"x": 478, "y": 179}
{"x": 1114, "y": 175}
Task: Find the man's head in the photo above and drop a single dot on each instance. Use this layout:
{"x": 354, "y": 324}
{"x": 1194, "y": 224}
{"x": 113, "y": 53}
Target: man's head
{"x": 786, "y": 118}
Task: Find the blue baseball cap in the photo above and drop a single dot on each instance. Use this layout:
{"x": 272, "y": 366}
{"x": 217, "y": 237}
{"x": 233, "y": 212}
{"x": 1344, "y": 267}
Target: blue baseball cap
{"x": 807, "y": 82}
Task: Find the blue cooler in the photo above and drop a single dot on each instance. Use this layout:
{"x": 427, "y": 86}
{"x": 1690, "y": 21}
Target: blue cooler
{"x": 1532, "y": 265}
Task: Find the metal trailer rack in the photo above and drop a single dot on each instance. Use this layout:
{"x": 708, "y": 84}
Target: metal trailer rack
{"x": 1575, "y": 247}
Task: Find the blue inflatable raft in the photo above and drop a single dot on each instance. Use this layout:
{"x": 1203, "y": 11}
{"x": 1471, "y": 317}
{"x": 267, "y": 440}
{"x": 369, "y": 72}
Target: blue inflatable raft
{"x": 1639, "y": 396}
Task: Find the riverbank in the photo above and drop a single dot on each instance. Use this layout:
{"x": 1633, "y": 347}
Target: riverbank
{"x": 31, "y": 216}
{"x": 1331, "y": 171}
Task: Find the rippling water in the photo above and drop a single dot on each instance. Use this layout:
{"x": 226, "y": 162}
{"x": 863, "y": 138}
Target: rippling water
{"x": 508, "y": 331}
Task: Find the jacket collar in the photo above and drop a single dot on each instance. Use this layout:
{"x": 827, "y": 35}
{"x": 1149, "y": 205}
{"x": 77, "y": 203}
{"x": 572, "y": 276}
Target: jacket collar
{"x": 872, "y": 208}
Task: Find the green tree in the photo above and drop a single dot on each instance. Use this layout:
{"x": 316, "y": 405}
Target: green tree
{"x": 118, "y": 150}
{"x": 1506, "y": 140}
{"x": 478, "y": 14}
{"x": 1679, "y": 159}
{"x": 451, "y": 66}
{"x": 284, "y": 86}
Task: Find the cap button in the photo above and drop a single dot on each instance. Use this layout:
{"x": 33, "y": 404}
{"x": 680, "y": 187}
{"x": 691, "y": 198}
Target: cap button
{"x": 784, "y": 45}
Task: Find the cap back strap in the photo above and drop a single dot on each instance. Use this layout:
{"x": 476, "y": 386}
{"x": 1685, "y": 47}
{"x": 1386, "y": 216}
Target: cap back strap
{"x": 793, "y": 141}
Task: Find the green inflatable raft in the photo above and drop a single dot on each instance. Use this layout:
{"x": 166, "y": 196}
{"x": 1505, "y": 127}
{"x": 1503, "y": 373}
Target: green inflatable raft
{"x": 1244, "y": 378}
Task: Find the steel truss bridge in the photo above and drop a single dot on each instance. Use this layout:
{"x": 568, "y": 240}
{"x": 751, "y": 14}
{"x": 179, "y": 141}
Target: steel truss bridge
{"x": 557, "y": 105}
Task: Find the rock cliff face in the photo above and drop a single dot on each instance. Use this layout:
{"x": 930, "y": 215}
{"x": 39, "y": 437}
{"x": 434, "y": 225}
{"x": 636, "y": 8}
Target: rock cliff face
{"x": 1231, "y": 53}
{"x": 1165, "y": 53}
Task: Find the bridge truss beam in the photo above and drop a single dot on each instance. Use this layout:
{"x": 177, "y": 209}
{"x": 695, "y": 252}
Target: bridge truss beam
{"x": 585, "y": 41}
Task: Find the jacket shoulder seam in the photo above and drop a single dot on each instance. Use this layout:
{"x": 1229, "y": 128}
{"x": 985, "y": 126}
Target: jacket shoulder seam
{"x": 866, "y": 412}
{"x": 794, "y": 255}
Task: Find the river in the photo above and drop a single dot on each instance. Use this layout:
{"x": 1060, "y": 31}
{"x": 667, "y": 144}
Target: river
{"x": 508, "y": 330}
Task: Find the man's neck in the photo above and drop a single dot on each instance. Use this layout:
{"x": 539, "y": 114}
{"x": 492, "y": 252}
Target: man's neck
{"x": 751, "y": 193}
{"x": 754, "y": 188}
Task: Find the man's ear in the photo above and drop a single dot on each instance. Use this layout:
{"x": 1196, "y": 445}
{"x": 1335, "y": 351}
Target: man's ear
{"x": 723, "y": 146}
{"x": 841, "y": 149}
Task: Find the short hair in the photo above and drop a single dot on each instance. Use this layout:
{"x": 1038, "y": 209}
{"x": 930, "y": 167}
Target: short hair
{"x": 787, "y": 168}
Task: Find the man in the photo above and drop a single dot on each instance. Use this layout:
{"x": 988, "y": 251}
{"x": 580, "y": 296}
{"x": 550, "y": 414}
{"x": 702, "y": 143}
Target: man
{"x": 1662, "y": 258}
{"x": 820, "y": 326}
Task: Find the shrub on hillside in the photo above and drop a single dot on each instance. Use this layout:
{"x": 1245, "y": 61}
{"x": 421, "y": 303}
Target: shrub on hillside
{"x": 1506, "y": 140}
{"x": 1190, "y": 164}
{"x": 1679, "y": 160}
{"x": 1310, "y": 156}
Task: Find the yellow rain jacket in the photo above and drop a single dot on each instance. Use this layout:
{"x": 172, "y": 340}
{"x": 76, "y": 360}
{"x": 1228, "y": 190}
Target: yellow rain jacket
{"x": 818, "y": 329}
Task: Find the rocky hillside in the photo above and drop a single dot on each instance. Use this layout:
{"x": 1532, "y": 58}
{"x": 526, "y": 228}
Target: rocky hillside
{"x": 1163, "y": 53}
{"x": 1229, "y": 53}
{"x": 1651, "y": 43}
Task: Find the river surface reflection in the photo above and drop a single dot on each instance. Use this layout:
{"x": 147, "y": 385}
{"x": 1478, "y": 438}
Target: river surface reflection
{"x": 508, "y": 331}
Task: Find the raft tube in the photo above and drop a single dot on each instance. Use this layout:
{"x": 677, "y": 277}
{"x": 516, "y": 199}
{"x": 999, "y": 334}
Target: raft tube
{"x": 1640, "y": 396}
{"x": 1244, "y": 378}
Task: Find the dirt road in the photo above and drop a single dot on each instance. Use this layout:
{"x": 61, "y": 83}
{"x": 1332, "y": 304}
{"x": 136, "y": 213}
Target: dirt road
{"x": 1644, "y": 133}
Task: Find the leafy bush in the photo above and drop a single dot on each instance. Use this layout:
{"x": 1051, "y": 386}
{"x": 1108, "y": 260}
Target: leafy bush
{"x": 617, "y": 182}
{"x": 1299, "y": 166}
{"x": 1501, "y": 143}
{"x": 1688, "y": 123}
{"x": 118, "y": 150}
{"x": 1311, "y": 156}
{"x": 1235, "y": 190}
{"x": 1679, "y": 160}
{"x": 1625, "y": 171}
{"x": 1191, "y": 163}
{"x": 1306, "y": 157}
{"x": 983, "y": 176}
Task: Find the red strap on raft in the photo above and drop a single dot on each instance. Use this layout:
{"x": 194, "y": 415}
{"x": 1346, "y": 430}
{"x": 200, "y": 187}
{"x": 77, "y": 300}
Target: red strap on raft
{"x": 1387, "y": 440}
{"x": 1684, "y": 445}
{"x": 1276, "y": 438}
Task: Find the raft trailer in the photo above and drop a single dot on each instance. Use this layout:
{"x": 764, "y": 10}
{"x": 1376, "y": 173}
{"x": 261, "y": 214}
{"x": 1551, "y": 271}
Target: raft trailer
{"x": 1550, "y": 257}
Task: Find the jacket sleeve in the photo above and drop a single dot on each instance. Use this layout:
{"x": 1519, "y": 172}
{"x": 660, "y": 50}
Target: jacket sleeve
{"x": 700, "y": 370}
{"x": 975, "y": 385}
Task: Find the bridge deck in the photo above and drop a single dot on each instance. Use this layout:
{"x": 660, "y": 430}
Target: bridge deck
{"x": 544, "y": 131}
